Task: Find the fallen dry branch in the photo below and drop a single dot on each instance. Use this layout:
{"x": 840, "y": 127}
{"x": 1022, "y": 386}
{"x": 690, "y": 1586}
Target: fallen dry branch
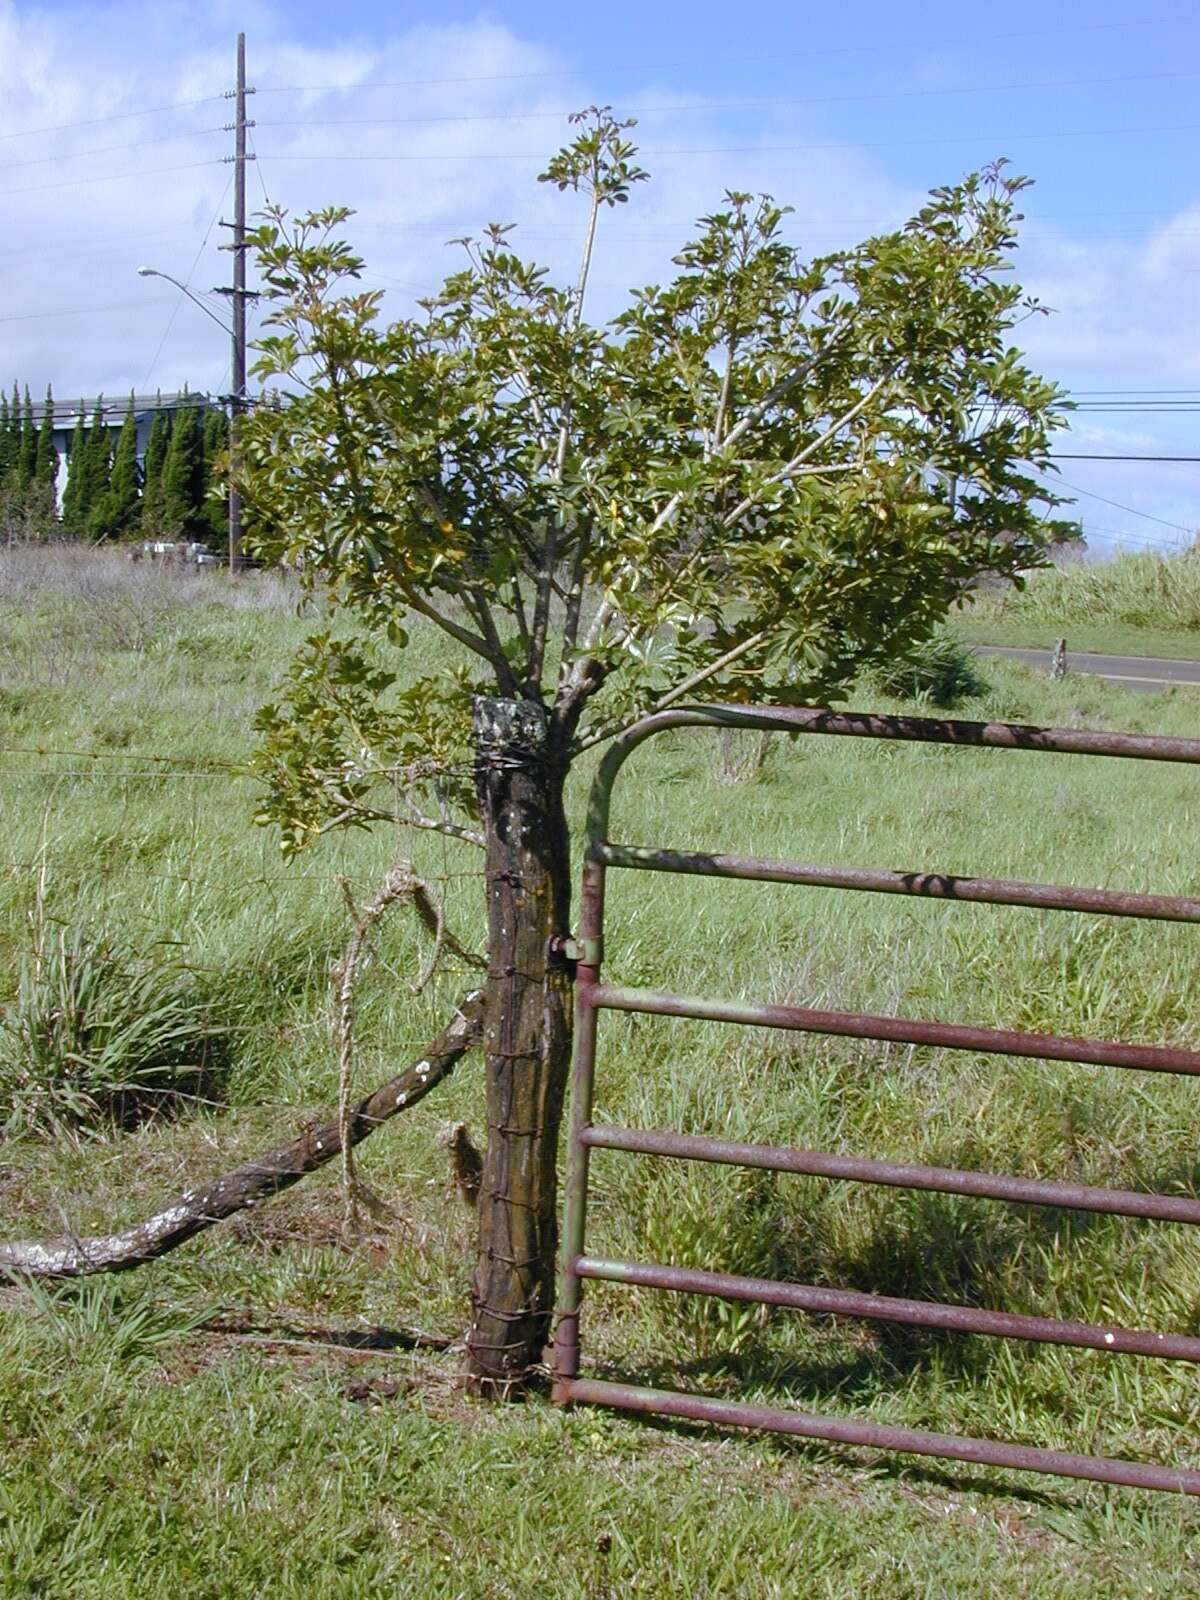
{"x": 254, "y": 1181}
{"x": 400, "y": 884}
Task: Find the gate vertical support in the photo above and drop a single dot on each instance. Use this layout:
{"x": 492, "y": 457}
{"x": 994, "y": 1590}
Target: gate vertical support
{"x": 565, "y": 1353}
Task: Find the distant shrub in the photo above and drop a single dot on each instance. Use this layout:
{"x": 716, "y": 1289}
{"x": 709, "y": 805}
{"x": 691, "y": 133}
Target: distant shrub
{"x": 941, "y": 671}
{"x": 96, "y": 1039}
{"x": 1144, "y": 591}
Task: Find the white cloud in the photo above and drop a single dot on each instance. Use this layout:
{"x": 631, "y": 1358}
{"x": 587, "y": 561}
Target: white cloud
{"x": 75, "y": 234}
{"x": 1123, "y": 307}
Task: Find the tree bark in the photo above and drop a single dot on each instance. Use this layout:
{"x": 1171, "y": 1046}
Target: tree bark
{"x": 252, "y": 1182}
{"x": 526, "y": 1040}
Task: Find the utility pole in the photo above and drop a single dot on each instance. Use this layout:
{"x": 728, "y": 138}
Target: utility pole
{"x": 237, "y": 399}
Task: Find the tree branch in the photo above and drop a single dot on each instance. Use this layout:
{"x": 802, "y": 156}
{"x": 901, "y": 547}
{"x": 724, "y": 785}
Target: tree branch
{"x": 718, "y": 426}
{"x": 504, "y": 672}
{"x": 677, "y": 693}
{"x": 254, "y": 1181}
{"x": 608, "y": 609}
{"x": 795, "y": 468}
{"x": 473, "y": 641}
{"x": 452, "y": 830}
{"x": 574, "y": 605}
{"x": 541, "y": 609}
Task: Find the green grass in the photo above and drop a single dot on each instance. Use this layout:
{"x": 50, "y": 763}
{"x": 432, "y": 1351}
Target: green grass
{"x": 1083, "y": 638}
{"x": 1137, "y": 605}
{"x": 143, "y": 1455}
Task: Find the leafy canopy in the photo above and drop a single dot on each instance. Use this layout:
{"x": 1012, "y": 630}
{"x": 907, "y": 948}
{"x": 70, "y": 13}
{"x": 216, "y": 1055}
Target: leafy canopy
{"x": 761, "y": 477}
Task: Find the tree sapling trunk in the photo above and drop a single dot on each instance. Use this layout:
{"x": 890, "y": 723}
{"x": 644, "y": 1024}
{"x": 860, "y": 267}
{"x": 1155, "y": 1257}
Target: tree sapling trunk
{"x": 526, "y": 1036}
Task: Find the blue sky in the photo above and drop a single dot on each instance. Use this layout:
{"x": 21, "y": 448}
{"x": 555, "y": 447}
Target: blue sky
{"x": 431, "y": 119}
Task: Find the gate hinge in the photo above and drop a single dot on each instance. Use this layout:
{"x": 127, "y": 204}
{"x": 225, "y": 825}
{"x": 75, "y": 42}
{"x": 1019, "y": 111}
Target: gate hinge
{"x": 588, "y": 952}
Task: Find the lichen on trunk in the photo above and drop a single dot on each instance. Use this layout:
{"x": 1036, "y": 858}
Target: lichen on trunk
{"x": 526, "y": 1036}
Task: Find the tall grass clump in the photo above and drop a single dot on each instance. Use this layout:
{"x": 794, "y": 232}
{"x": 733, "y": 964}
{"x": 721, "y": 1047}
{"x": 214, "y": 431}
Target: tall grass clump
{"x": 95, "y": 1039}
{"x": 940, "y": 671}
{"x": 108, "y": 1321}
{"x": 1142, "y": 591}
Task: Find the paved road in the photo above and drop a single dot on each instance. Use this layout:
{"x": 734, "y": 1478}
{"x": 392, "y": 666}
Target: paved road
{"x": 1132, "y": 672}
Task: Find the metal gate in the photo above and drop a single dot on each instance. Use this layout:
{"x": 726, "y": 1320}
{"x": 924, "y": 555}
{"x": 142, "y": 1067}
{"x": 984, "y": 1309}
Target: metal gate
{"x": 593, "y": 996}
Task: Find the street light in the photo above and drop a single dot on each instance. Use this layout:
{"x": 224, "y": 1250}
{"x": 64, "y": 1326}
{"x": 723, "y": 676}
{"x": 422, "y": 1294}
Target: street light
{"x": 153, "y": 272}
{"x": 236, "y": 401}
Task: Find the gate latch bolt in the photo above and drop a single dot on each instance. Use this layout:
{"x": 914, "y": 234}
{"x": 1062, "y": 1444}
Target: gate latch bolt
{"x": 589, "y": 952}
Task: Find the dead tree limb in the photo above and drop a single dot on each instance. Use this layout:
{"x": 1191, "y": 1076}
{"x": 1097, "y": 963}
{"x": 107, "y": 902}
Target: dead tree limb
{"x": 254, "y": 1181}
{"x": 400, "y": 884}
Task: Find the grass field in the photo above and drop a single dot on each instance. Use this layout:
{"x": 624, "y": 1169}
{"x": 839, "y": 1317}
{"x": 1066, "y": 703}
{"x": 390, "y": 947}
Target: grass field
{"x": 190, "y": 1430}
{"x": 1137, "y": 605}
{"x": 1106, "y": 639}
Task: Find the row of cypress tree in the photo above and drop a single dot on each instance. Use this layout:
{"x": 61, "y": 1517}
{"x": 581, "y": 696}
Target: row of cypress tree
{"x": 28, "y": 470}
{"x": 173, "y": 492}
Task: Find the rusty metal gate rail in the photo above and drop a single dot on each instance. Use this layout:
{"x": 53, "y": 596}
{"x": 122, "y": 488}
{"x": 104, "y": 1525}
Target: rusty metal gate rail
{"x": 593, "y": 996}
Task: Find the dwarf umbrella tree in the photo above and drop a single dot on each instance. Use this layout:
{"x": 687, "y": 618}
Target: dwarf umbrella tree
{"x": 758, "y": 479}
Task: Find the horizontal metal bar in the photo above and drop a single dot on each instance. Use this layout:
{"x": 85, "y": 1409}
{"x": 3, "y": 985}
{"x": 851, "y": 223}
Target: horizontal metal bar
{"x": 899, "y": 1030}
{"x": 863, "y": 725}
{"x": 879, "y": 1436}
{"x": 921, "y": 730}
{"x": 894, "y": 1174}
{"x": 933, "y": 885}
{"x": 888, "y": 1308}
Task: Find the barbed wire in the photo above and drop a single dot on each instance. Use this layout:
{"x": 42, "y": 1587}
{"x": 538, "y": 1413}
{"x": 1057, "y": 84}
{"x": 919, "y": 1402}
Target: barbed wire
{"x": 108, "y": 869}
{"x": 231, "y": 770}
{"x": 216, "y": 762}
{"x": 110, "y": 773}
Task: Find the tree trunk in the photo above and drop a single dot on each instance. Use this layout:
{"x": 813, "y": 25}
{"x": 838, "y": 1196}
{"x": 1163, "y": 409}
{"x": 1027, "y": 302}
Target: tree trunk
{"x": 526, "y": 1038}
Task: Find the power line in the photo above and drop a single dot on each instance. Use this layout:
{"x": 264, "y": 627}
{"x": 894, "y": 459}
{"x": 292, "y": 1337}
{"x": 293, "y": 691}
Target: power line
{"x": 113, "y": 177}
{"x": 166, "y": 333}
{"x": 75, "y": 311}
{"x": 262, "y": 182}
{"x": 1075, "y": 456}
{"x": 718, "y": 106}
{"x": 115, "y": 116}
{"x": 1149, "y": 543}
{"x": 1133, "y": 401}
{"x": 1118, "y": 505}
{"x": 1140, "y": 23}
{"x": 889, "y": 48}
{"x": 107, "y": 149}
{"x": 757, "y": 149}
{"x": 1042, "y": 218}
{"x": 108, "y": 248}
